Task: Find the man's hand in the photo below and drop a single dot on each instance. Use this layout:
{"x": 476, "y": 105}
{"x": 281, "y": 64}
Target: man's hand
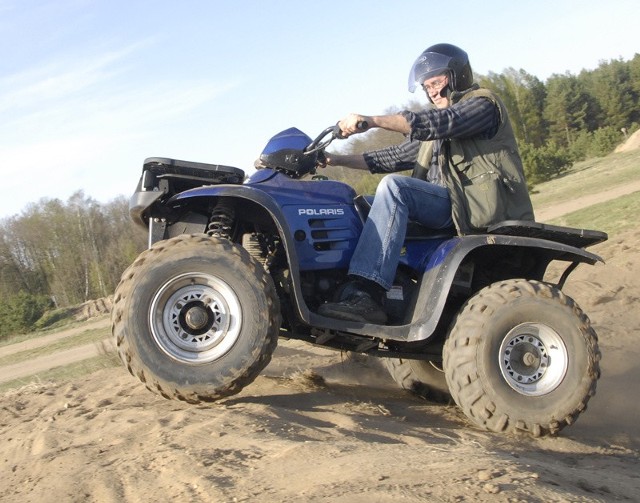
{"x": 354, "y": 123}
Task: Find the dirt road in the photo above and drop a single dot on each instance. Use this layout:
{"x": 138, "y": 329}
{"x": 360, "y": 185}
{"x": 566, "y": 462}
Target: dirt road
{"x": 557, "y": 210}
{"x": 11, "y": 371}
{"x": 46, "y": 340}
{"x": 54, "y": 360}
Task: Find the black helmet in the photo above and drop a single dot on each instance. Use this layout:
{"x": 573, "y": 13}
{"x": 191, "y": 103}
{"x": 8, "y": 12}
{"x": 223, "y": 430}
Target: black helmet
{"x": 442, "y": 59}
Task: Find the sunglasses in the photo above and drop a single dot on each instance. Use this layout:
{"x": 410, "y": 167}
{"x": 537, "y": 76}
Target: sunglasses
{"x": 435, "y": 86}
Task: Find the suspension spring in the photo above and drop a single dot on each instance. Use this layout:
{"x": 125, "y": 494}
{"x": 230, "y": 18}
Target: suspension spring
{"x": 222, "y": 220}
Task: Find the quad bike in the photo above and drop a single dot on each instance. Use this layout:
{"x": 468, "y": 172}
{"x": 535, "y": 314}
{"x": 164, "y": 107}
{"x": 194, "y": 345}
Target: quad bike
{"x": 234, "y": 264}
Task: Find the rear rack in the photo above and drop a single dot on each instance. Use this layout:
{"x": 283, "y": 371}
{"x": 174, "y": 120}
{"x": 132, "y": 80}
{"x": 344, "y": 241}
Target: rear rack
{"x": 183, "y": 175}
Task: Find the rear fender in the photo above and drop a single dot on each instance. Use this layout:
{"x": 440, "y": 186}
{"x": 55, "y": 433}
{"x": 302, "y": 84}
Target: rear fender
{"x": 443, "y": 265}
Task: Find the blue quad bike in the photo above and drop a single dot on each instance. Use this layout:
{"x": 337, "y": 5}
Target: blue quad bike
{"x": 233, "y": 264}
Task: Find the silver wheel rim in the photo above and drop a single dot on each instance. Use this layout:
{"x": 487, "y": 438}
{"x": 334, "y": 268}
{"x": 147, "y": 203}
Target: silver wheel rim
{"x": 533, "y": 359}
{"x": 195, "y": 318}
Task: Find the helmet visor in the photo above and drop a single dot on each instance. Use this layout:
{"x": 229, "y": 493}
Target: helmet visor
{"x": 429, "y": 64}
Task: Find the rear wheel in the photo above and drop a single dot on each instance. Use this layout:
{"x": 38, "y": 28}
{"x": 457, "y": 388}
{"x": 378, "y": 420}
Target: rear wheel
{"x": 422, "y": 378}
{"x": 522, "y": 356}
{"x": 195, "y": 318}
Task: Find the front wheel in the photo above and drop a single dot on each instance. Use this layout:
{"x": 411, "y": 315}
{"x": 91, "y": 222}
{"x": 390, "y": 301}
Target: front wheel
{"x": 522, "y": 357}
{"x": 195, "y": 318}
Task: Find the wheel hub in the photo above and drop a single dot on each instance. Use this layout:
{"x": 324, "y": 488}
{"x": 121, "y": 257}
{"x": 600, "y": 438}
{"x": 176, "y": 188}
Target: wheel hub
{"x": 526, "y": 359}
{"x": 533, "y": 359}
{"x": 529, "y": 359}
{"x": 195, "y": 318}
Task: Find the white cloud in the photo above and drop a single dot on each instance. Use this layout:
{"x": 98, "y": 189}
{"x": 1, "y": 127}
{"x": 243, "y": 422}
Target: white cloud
{"x": 64, "y": 121}
{"x": 60, "y": 78}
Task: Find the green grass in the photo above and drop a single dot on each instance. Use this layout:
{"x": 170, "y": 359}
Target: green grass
{"x": 612, "y": 217}
{"x": 589, "y": 177}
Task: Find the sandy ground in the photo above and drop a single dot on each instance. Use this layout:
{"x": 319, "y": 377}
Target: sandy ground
{"x": 352, "y": 436}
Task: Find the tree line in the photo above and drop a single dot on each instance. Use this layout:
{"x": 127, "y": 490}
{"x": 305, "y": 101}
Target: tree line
{"x": 58, "y": 254}
{"x": 55, "y": 255}
{"x": 564, "y": 120}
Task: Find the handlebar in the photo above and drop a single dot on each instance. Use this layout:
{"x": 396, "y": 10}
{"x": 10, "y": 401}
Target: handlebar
{"x": 321, "y": 142}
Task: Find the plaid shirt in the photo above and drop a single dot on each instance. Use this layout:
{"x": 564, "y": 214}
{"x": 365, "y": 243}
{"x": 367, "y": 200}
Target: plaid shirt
{"x": 472, "y": 118}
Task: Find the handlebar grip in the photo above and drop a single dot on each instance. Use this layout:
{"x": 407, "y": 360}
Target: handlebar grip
{"x": 360, "y": 125}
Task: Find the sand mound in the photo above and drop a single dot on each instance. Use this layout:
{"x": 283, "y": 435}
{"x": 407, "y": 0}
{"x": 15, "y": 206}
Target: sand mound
{"x": 631, "y": 143}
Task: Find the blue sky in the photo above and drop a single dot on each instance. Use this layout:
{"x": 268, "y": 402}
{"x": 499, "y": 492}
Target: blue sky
{"x": 89, "y": 89}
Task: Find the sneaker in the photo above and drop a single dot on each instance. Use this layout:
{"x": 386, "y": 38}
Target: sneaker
{"x": 358, "y": 306}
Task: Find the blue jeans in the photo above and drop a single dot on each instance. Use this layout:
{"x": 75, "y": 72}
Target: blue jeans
{"x": 398, "y": 199}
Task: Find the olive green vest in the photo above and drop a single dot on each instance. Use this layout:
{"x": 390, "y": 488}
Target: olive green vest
{"x": 485, "y": 177}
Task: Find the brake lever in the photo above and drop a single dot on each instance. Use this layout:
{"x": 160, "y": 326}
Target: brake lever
{"x": 337, "y": 133}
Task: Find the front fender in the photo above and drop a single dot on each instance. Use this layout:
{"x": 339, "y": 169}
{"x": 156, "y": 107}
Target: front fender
{"x": 139, "y": 205}
{"x": 269, "y": 204}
